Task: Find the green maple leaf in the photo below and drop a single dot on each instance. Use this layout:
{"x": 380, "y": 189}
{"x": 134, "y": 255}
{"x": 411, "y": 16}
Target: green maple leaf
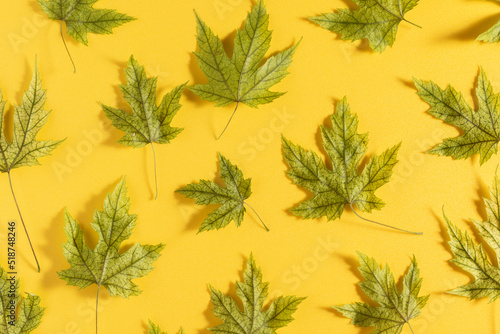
{"x": 25, "y": 149}
{"x": 81, "y": 18}
{"x": 481, "y": 129}
{"x": 18, "y": 316}
{"x": 155, "y": 329}
{"x": 105, "y": 265}
{"x": 253, "y": 293}
{"x": 375, "y": 20}
{"x": 396, "y": 308}
{"x": 240, "y": 79}
{"x": 472, "y": 258}
{"x": 147, "y": 123}
{"x": 333, "y": 189}
{"x": 232, "y": 198}
{"x": 492, "y": 35}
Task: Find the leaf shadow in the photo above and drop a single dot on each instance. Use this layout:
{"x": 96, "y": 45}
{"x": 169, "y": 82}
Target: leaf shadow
{"x": 54, "y": 235}
{"x": 353, "y": 268}
{"x": 408, "y": 83}
{"x": 196, "y": 219}
{"x": 482, "y": 192}
{"x": 361, "y": 330}
{"x": 471, "y": 32}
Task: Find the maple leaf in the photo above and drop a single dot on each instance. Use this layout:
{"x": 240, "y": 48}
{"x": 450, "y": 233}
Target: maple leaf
{"x": 148, "y": 123}
{"x": 481, "y": 128}
{"x": 492, "y": 35}
{"x": 155, "y": 329}
{"x": 253, "y": 293}
{"x": 81, "y": 18}
{"x": 232, "y": 198}
{"x": 472, "y": 258}
{"x": 105, "y": 265}
{"x": 396, "y": 308}
{"x": 375, "y": 20}
{"x": 29, "y": 314}
{"x": 25, "y": 149}
{"x": 333, "y": 189}
{"x": 240, "y": 79}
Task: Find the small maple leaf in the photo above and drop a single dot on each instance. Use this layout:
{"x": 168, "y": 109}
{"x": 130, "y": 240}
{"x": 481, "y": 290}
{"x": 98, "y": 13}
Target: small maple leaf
{"x": 375, "y": 20}
{"x": 155, "y": 329}
{"x": 30, "y": 313}
{"x": 240, "y": 79}
{"x": 147, "y": 123}
{"x": 333, "y": 189}
{"x": 82, "y": 18}
{"x": 492, "y": 35}
{"x": 396, "y": 308}
{"x": 481, "y": 128}
{"x": 472, "y": 258}
{"x": 25, "y": 149}
{"x": 253, "y": 293}
{"x": 232, "y": 198}
{"x": 105, "y": 265}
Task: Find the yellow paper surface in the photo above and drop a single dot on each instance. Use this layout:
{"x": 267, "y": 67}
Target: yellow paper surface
{"x": 312, "y": 258}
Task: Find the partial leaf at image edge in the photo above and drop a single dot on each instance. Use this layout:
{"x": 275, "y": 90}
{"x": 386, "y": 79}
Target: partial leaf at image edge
{"x": 492, "y": 35}
{"x": 105, "y": 265}
{"x": 27, "y": 311}
{"x": 334, "y": 189}
{"x": 376, "y": 21}
{"x": 25, "y": 149}
{"x": 148, "y": 123}
{"x": 240, "y": 79}
{"x": 155, "y": 329}
{"x": 395, "y": 308}
{"x": 252, "y": 292}
{"x": 472, "y": 257}
{"x": 481, "y": 128}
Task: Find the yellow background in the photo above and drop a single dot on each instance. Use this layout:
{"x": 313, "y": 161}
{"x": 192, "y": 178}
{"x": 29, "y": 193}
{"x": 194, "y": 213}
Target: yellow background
{"x": 379, "y": 89}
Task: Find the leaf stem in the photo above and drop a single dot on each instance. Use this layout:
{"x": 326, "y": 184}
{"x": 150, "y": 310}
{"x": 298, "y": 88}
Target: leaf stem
{"x": 416, "y": 25}
{"x": 156, "y": 178}
{"x": 411, "y": 329}
{"x": 22, "y": 221}
{"x": 66, "y": 47}
{"x": 237, "y": 103}
{"x": 97, "y": 307}
{"x": 372, "y": 221}
{"x": 267, "y": 229}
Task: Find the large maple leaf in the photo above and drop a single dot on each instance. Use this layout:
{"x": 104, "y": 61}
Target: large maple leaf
{"x": 481, "y": 128}
{"x": 105, "y": 265}
{"x": 375, "y": 20}
{"x": 333, "y": 189}
{"x": 240, "y": 79}
{"x": 396, "y": 308}
{"x": 253, "y": 319}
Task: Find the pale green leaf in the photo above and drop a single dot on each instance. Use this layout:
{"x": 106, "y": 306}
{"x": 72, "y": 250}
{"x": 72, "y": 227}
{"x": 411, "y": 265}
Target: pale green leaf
{"x": 481, "y": 128}
{"x": 232, "y": 198}
{"x": 81, "y": 18}
{"x": 19, "y": 315}
{"x": 106, "y": 265}
{"x": 473, "y": 258}
{"x": 240, "y": 79}
{"x": 29, "y": 118}
{"x": 155, "y": 329}
{"x": 148, "y": 123}
{"x": 333, "y": 189}
{"x": 253, "y": 319}
{"x": 375, "y": 20}
{"x": 395, "y": 308}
